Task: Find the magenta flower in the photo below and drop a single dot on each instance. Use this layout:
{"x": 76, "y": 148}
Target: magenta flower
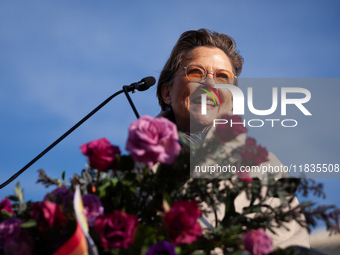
{"x": 6, "y": 205}
{"x": 153, "y": 140}
{"x": 102, "y": 155}
{"x": 116, "y": 229}
{"x": 227, "y": 132}
{"x": 92, "y": 207}
{"x": 257, "y": 242}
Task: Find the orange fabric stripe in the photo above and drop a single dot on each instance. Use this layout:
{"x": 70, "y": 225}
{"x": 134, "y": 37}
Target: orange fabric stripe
{"x": 76, "y": 245}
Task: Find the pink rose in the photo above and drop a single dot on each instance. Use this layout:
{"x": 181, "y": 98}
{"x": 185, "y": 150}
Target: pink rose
{"x": 47, "y": 214}
{"x": 92, "y": 208}
{"x": 257, "y": 242}
{"x": 153, "y": 140}
{"x": 116, "y": 229}
{"x": 6, "y": 205}
{"x": 227, "y": 132}
{"x": 102, "y": 154}
{"x": 181, "y": 222}
{"x": 252, "y": 154}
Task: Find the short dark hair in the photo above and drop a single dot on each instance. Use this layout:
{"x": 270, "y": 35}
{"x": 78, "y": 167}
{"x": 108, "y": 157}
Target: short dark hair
{"x": 190, "y": 40}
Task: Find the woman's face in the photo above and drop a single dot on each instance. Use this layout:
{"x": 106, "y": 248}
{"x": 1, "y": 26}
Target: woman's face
{"x": 185, "y": 96}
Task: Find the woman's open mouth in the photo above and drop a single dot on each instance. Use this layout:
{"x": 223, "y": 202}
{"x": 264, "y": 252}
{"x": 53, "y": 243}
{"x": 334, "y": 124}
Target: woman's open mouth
{"x": 210, "y": 102}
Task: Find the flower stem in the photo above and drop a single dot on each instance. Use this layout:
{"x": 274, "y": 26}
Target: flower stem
{"x": 97, "y": 182}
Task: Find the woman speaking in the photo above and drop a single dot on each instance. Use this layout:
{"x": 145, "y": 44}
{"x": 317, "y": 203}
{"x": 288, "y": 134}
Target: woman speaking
{"x": 200, "y": 60}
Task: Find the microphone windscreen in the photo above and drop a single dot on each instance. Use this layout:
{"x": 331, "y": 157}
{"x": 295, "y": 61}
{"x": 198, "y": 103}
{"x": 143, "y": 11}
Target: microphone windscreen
{"x": 149, "y": 81}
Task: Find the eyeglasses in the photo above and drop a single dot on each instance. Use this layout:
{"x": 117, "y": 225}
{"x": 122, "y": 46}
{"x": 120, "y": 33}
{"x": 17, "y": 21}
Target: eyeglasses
{"x": 197, "y": 73}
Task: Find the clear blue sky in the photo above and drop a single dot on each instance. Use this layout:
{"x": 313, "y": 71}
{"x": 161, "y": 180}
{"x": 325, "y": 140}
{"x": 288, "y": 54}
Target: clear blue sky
{"x": 60, "y": 59}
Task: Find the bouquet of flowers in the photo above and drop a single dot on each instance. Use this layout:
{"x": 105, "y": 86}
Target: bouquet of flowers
{"x": 148, "y": 203}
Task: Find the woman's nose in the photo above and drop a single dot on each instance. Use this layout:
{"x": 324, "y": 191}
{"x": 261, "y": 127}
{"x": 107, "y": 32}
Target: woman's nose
{"x": 209, "y": 79}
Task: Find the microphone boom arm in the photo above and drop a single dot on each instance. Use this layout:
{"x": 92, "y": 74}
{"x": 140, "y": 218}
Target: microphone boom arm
{"x": 60, "y": 139}
{"x": 142, "y": 85}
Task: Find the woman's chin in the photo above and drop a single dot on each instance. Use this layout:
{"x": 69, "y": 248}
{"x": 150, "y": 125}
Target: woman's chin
{"x": 199, "y": 121}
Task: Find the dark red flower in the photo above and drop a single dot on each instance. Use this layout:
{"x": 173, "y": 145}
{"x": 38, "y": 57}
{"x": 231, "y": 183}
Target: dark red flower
{"x": 116, "y": 229}
{"x": 229, "y": 131}
{"x": 47, "y": 214}
{"x": 181, "y": 222}
{"x": 102, "y": 154}
{"x": 252, "y": 154}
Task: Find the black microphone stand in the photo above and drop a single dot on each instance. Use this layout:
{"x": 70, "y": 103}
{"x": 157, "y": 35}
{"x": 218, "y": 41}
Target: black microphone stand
{"x": 125, "y": 89}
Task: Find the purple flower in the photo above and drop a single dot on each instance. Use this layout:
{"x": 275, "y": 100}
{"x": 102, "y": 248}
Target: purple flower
{"x": 9, "y": 228}
{"x": 257, "y": 242}
{"x": 61, "y": 195}
{"x": 162, "y": 248}
{"x": 153, "y": 140}
{"x": 92, "y": 207}
{"x": 6, "y": 205}
{"x": 22, "y": 244}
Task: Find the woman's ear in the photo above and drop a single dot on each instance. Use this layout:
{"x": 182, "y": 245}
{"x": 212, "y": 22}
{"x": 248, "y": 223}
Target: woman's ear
{"x": 166, "y": 89}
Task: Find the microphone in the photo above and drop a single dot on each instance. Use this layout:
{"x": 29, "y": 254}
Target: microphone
{"x": 142, "y": 85}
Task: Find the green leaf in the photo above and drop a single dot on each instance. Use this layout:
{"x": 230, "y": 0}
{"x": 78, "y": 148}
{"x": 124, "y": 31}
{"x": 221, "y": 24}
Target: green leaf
{"x": 29, "y": 224}
{"x": 63, "y": 176}
{"x": 19, "y": 193}
{"x": 166, "y": 205}
{"x": 290, "y": 184}
{"x": 305, "y": 204}
{"x": 22, "y": 207}
{"x": 114, "y": 181}
{"x": 5, "y": 214}
{"x": 108, "y": 183}
{"x": 13, "y": 198}
{"x": 251, "y": 209}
